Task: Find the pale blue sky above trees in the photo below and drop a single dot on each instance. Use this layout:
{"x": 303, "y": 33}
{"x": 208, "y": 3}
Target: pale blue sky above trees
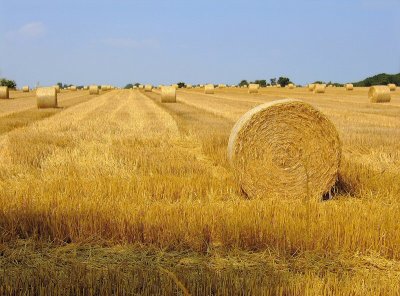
{"x": 159, "y": 41}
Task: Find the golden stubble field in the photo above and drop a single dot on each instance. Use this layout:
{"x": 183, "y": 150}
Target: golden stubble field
{"x": 120, "y": 192}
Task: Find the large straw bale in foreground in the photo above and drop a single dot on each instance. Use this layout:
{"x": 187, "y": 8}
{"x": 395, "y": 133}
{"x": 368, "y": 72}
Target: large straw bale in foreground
{"x": 379, "y": 94}
{"x": 93, "y": 90}
{"x": 46, "y": 97}
{"x": 4, "y": 93}
{"x": 209, "y": 89}
{"x": 168, "y": 94}
{"x": 253, "y": 88}
{"x": 25, "y": 88}
{"x": 285, "y": 149}
{"x": 392, "y": 86}
{"x": 349, "y": 86}
{"x": 319, "y": 88}
{"x": 57, "y": 87}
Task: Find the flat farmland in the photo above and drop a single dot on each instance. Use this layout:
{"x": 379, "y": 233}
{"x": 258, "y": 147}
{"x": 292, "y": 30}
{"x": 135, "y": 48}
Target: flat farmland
{"x": 120, "y": 192}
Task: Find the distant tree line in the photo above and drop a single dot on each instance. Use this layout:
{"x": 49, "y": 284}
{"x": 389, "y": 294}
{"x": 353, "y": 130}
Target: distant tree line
{"x": 380, "y": 79}
{"x": 283, "y": 81}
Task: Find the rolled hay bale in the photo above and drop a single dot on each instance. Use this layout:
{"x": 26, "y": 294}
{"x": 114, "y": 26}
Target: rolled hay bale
{"x": 4, "y": 93}
{"x": 311, "y": 87}
{"x": 221, "y": 85}
{"x": 175, "y": 85}
{"x": 93, "y": 90}
{"x": 349, "y": 86}
{"x": 285, "y": 149}
{"x": 25, "y": 88}
{"x": 168, "y": 94}
{"x": 189, "y": 86}
{"x": 148, "y": 88}
{"x": 104, "y": 87}
{"x": 319, "y": 88}
{"x": 379, "y": 94}
{"x": 209, "y": 89}
{"x": 46, "y": 97}
{"x": 290, "y": 86}
{"x": 57, "y": 87}
{"x": 73, "y": 88}
{"x": 253, "y": 88}
{"x": 278, "y": 86}
{"x": 392, "y": 86}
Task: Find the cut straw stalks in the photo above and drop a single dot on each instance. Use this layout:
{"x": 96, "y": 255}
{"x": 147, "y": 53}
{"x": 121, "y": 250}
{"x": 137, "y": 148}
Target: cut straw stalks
{"x": 46, "y": 97}
{"x": 379, "y": 94}
{"x": 285, "y": 149}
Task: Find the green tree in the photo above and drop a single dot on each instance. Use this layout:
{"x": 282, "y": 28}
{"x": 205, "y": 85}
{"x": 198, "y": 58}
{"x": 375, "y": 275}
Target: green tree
{"x": 128, "y": 86}
{"x": 273, "y": 81}
{"x": 262, "y": 83}
{"x": 7, "y": 82}
{"x": 283, "y": 81}
{"x": 243, "y": 83}
{"x": 181, "y": 84}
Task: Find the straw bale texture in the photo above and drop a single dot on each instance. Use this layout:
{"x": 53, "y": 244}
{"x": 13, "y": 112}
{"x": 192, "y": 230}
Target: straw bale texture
{"x": 285, "y": 149}
{"x": 168, "y": 94}
{"x": 46, "y": 97}
{"x": 349, "y": 86}
{"x": 4, "y": 93}
{"x": 93, "y": 90}
{"x": 148, "y": 88}
{"x": 25, "y": 88}
{"x": 311, "y": 87}
{"x": 379, "y": 94}
{"x": 319, "y": 88}
{"x": 209, "y": 89}
{"x": 291, "y": 86}
{"x": 253, "y": 88}
{"x": 392, "y": 86}
{"x": 73, "y": 88}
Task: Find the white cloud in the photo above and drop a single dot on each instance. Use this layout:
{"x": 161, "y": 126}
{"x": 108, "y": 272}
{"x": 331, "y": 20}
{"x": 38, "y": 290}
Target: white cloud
{"x": 130, "y": 43}
{"x": 29, "y": 31}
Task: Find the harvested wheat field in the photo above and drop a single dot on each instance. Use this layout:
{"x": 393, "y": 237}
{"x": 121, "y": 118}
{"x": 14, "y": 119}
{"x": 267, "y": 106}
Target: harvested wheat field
{"x": 121, "y": 192}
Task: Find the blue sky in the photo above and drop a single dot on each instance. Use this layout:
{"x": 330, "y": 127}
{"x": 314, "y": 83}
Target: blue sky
{"x": 155, "y": 41}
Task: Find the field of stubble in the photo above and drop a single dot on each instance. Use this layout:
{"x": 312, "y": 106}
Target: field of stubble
{"x": 118, "y": 193}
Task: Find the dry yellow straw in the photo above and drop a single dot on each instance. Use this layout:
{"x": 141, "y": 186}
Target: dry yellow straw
{"x": 209, "y": 89}
{"x": 168, "y": 94}
{"x": 392, "y": 86}
{"x": 253, "y": 88}
{"x": 4, "y": 93}
{"x": 319, "y": 88}
{"x": 285, "y": 149}
{"x": 93, "y": 90}
{"x": 379, "y": 94}
{"x": 46, "y": 97}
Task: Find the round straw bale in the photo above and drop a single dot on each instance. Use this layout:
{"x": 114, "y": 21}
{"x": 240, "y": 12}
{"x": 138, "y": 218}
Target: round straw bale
{"x": 291, "y": 86}
{"x": 278, "y": 86}
{"x": 93, "y": 90}
{"x": 221, "y": 85}
{"x": 311, "y": 87}
{"x": 148, "y": 88}
{"x": 253, "y": 88}
{"x": 57, "y": 87}
{"x": 349, "y": 86}
{"x": 25, "y": 88}
{"x": 285, "y": 149}
{"x": 319, "y": 88}
{"x": 104, "y": 87}
{"x": 46, "y": 97}
{"x": 168, "y": 94}
{"x": 189, "y": 86}
{"x": 73, "y": 88}
{"x": 209, "y": 89}
{"x": 392, "y": 86}
{"x": 4, "y": 93}
{"x": 379, "y": 94}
